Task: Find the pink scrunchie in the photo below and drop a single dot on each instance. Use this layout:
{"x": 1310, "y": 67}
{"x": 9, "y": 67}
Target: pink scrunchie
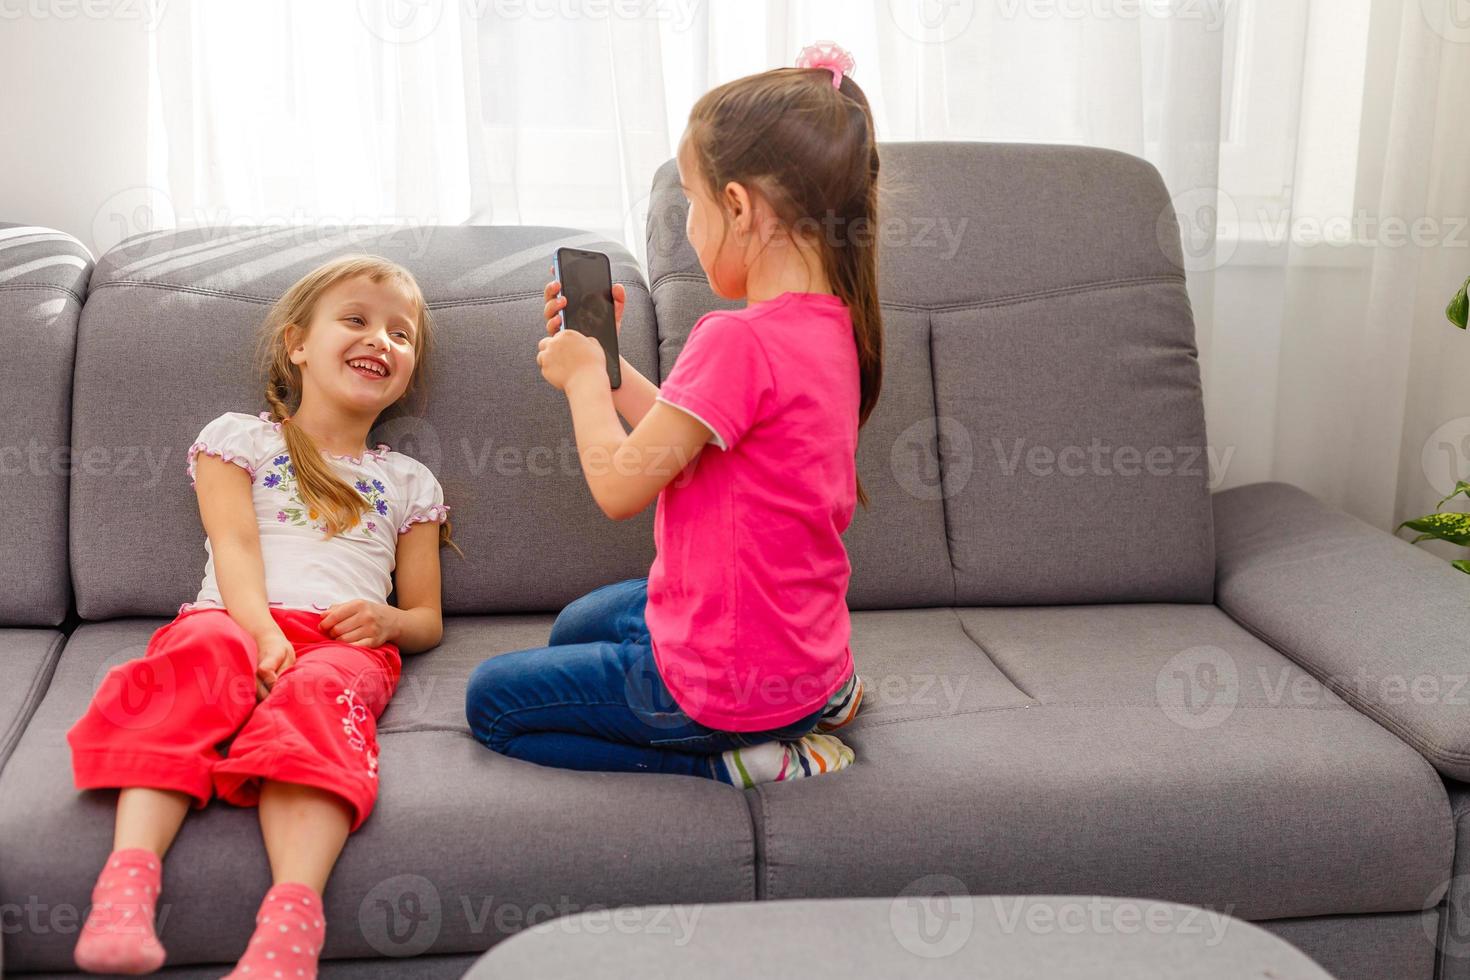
{"x": 828, "y": 55}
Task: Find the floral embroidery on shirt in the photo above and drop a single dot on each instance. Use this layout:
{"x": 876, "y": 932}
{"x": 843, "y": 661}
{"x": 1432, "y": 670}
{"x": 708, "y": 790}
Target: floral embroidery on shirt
{"x": 357, "y": 715}
{"x": 280, "y": 474}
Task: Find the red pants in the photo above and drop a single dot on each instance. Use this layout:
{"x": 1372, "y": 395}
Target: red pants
{"x": 160, "y": 721}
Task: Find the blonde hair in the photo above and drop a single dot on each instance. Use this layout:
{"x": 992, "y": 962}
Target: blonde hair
{"x": 323, "y": 493}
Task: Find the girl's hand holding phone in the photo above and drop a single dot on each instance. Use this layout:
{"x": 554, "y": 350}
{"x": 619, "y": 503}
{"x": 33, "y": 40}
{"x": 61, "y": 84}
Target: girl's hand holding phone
{"x": 555, "y": 301}
{"x": 563, "y": 354}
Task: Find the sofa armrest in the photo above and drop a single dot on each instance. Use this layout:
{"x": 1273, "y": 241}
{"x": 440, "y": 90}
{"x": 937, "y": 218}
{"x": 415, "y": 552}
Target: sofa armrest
{"x": 1382, "y": 623}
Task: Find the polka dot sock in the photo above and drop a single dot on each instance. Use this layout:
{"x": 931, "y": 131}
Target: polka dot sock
{"x": 289, "y": 930}
{"x": 118, "y": 935}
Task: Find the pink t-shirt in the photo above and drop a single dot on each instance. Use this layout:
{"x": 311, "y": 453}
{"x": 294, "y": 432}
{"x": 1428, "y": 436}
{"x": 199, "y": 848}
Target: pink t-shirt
{"x": 747, "y": 597}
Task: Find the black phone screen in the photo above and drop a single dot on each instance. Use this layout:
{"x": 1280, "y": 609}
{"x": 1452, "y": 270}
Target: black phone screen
{"x": 586, "y": 282}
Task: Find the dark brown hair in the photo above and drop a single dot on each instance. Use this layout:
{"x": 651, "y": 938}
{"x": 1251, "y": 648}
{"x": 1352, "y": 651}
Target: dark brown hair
{"x": 323, "y": 493}
{"x": 809, "y": 150}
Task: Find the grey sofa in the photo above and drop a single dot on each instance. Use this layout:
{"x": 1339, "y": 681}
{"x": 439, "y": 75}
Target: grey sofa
{"x": 1088, "y": 674}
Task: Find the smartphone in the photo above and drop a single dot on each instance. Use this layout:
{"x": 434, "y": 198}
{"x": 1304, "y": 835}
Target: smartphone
{"x": 586, "y": 282}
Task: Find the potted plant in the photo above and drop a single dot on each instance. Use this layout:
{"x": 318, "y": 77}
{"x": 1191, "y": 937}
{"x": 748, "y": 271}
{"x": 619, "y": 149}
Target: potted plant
{"x": 1452, "y": 527}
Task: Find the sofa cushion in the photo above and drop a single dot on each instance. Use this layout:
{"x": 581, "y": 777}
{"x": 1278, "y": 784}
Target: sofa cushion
{"x": 463, "y": 848}
{"x": 29, "y": 657}
{"x": 1163, "y": 751}
{"x": 1077, "y": 417}
{"x": 43, "y": 283}
{"x": 1041, "y": 427}
{"x": 497, "y": 436}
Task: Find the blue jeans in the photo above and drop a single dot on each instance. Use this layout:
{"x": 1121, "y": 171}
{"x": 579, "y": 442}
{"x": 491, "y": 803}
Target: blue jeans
{"x": 593, "y": 699}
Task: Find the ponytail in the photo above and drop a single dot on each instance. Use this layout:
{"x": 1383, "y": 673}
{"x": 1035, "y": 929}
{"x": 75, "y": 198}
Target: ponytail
{"x": 809, "y": 148}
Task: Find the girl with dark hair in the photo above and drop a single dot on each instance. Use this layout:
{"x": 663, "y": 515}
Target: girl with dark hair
{"x": 731, "y": 660}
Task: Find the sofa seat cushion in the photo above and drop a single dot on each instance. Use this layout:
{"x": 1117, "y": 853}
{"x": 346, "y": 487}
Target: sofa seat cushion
{"x": 1150, "y": 750}
{"x": 464, "y": 847}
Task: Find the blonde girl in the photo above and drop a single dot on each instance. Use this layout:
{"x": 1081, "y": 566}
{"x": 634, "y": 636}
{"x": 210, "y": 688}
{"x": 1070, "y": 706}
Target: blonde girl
{"x": 290, "y": 651}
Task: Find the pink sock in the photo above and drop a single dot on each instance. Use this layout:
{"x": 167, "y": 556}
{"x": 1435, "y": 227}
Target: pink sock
{"x": 289, "y": 930}
{"x": 118, "y": 935}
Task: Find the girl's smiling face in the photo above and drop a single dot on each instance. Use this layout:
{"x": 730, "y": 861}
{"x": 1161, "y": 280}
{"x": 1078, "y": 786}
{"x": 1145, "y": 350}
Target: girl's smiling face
{"x": 359, "y": 348}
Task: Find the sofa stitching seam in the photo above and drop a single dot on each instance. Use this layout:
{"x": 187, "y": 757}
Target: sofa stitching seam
{"x": 865, "y": 723}
{"x": 753, "y": 879}
{"x": 768, "y": 871}
{"x": 1017, "y": 299}
{"x": 954, "y": 574}
{"x": 269, "y": 301}
{"x": 1101, "y": 285}
{"x": 44, "y": 285}
{"x": 983, "y": 710}
{"x": 754, "y": 799}
{"x": 180, "y": 288}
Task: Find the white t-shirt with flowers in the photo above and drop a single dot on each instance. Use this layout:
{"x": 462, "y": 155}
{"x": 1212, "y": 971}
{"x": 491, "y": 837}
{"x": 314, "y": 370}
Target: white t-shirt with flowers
{"x": 303, "y": 571}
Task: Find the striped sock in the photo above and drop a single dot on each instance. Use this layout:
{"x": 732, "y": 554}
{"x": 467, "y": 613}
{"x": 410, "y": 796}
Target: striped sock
{"x": 843, "y": 706}
{"x": 778, "y": 762}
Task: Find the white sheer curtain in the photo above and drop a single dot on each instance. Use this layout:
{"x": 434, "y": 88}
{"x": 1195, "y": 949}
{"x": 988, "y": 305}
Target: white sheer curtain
{"x": 1317, "y": 151}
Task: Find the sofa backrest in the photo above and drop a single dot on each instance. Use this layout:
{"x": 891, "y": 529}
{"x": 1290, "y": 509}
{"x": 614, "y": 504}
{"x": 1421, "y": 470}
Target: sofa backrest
{"x": 43, "y": 284}
{"x": 167, "y": 342}
{"x": 1040, "y": 436}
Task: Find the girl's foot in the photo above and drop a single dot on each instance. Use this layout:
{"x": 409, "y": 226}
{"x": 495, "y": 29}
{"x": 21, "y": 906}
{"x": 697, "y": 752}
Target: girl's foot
{"x": 289, "y": 930}
{"x": 843, "y": 706}
{"x": 777, "y": 762}
{"x": 118, "y": 935}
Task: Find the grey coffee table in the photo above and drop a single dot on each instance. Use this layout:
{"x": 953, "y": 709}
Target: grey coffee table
{"x": 999, "y": 937}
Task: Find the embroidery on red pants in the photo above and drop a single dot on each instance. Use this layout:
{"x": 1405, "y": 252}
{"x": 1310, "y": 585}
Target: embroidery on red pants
{"x": 357, "y": 715}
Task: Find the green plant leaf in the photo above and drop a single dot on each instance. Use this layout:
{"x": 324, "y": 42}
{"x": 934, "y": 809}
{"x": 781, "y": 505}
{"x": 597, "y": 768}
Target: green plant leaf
{"x": 1460, "y": 487}
{"x": 1451, "y": 527}
{"x": 1463, "y": 566}
{"x": 1459, "y": 308}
